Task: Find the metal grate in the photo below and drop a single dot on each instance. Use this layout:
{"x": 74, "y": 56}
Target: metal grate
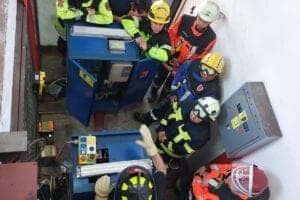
{"x": 30, "y": 112}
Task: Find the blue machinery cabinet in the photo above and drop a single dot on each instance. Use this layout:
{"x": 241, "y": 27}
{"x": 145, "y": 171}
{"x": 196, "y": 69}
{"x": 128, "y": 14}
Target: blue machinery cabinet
{"x": 121, "y": 146}
{"x": 89, "y": 89}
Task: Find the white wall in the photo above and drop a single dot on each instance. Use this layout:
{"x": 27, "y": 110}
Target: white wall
{"x": 6, "y": 104}
{"x": 261, "y": 40}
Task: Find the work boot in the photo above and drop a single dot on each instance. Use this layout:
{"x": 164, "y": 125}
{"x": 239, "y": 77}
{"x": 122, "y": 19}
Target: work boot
{"x": 143, "y": 118}
{"x": 164, "y": 93}
{"x": 174, "y": 164}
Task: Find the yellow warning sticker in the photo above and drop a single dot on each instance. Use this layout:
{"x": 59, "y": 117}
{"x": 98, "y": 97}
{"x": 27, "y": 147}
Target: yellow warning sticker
{"x": 239, "y": 119}
{"x": 86, "y": 78}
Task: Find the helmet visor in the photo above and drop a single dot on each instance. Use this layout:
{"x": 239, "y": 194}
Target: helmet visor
{"x": 200, "y": 112}
{"x": 209, "y": 71}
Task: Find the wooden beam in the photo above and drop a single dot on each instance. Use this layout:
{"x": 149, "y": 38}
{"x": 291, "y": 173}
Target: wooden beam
{"x": 13, "y": 141}
{"x": 17, "y": 110}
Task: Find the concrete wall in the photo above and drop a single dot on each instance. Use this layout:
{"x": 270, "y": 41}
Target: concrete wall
{"x": 46, "y": 18}
{"x": 260, "y": 39}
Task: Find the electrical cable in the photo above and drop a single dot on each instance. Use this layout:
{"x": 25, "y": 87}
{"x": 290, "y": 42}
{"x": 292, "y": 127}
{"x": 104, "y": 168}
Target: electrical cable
{"x": 61, "y": 150}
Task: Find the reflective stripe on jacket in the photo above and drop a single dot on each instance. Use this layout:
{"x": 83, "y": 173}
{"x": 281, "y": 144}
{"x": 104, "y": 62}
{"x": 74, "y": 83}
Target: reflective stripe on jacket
{"x": 65, "y": 11}
{"x": 103, "y": 14}
{"x": 183, "y": 136}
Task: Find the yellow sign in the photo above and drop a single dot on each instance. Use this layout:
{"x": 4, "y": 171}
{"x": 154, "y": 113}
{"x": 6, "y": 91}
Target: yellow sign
{"x": 239, "y": 120}
{"x": 86, "y": 78}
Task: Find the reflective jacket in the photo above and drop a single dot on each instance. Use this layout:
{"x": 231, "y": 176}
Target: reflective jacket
{"x": 211, "y": 180}
{"x": 188, "y": 42}
{"x": 72, "y": 9}
{"x": 183, "y": 136}
{"x": 188, "y": 85}
{"x": 158, "y": 45}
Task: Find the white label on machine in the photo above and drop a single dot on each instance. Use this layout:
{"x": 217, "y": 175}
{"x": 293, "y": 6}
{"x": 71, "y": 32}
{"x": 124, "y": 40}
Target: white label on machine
{"x": 90, "y": 31}
{"x": 116, "y": 46}
{"x": 110, "y": 167}
{"x": 120, "y": 71}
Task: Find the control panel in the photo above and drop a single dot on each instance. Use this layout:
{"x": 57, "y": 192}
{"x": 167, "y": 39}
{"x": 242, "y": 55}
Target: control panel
{"x": 247, "y": 121}
{"x": 87, "y": 150}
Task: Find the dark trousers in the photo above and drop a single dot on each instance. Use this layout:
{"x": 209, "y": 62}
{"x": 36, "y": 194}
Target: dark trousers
{"x": 62, "y": 46}
{"x": 160, "y": 110}
{"x": 161, "y": 78}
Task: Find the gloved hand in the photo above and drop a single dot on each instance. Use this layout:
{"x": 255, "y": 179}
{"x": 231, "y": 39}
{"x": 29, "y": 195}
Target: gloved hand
{"x": 78, "y": 14}
{"x": 147, "y": 141}
{"x": 102, "y": 188}
{"x": 90, "y": 18}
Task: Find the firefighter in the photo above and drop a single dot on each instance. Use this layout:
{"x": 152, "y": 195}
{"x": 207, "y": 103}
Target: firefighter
{"x": 138, "y": 8}
{"x": 186, "y": 128}
{"x": 136, "y": 182}
{"x": 194, "y": 79}
{"x": 191, "y": 38}
{"x": 91, "y": 11}
{"x": 230, "y": 181}
{"x": 149, "y": 33}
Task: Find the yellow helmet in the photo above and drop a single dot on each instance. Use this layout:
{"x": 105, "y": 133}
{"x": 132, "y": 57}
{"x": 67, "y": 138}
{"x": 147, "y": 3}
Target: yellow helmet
{"x": 215, "y": 61}
{"x": 159, "y": 12}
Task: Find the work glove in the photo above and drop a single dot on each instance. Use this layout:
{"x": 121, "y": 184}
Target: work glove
{"x": 90, "y": 18}
{"x": 78, "y": 14}
{"x": 147, "y": 141}
{"x": 102, "y": 188}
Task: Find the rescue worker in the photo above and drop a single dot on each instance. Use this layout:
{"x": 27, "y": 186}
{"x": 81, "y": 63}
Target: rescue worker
{"x": 138, "y": 8}
{"x": 135, "y": 182}
{"x": 191, "y": 38}
{"x": 91, "y": 11}
{"x": 186, "y": 128}
{"x": 194, "y": 79}
{"x": 149, "y": 33}
{"x": 230, "y": 181}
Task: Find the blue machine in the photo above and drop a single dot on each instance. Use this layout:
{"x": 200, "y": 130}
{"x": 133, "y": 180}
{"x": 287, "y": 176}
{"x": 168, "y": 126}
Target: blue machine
{"x": 90, "y": 63}
{"x": 120, "y": 146}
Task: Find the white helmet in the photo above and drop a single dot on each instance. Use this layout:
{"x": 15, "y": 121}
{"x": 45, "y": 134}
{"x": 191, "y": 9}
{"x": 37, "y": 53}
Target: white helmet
{"x": 208, "y": 11}
{"x": 207, "y": 107}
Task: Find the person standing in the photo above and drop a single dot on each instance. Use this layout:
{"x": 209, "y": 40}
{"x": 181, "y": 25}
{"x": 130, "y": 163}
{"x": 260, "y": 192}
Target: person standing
{"x": 149, "y": 33}
{"x": 186, "y": 128}
{"x": 191, "y": 39}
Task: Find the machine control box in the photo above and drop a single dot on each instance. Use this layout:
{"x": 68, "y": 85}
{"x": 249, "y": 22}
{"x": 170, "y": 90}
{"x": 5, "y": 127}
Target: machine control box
{"x": 87, "y": 150}
{"x": 247, "y": 121}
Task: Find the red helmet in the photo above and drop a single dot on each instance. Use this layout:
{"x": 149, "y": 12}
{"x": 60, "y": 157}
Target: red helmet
{"x": 247, "y": 180}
